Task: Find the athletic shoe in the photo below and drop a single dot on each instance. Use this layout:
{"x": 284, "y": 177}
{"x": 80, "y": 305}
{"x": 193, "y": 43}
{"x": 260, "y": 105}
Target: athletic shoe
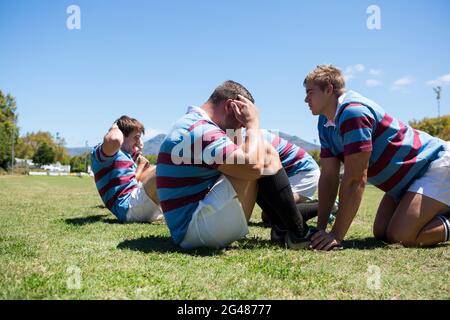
{"x": 265, "y": 220}
{"x": 277, "y": 235}
{"x": 338, "y": 247}
{"x": 297, "y": 243}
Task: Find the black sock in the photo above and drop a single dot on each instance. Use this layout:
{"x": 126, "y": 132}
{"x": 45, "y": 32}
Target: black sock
{"x": 308, "y": 210}
{"x": 276, "y": 199}
{"x": 270, "y": 212}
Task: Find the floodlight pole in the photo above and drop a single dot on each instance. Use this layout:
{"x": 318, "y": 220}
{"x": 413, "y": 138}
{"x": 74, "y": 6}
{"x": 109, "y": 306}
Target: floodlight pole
{"x": 12, "y": 155}
{"x": 438, "y": 90}
{"x": 85, "y": 157}
{"x": 12, "y": 146}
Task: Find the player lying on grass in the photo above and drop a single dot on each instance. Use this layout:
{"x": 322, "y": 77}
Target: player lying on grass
{"x": 208, "y": 185}
{"x": 123, "y": 176}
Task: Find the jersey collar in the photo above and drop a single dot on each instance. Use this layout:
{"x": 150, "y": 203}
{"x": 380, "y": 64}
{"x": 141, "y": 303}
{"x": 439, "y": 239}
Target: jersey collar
{"x": 331, "y": 123}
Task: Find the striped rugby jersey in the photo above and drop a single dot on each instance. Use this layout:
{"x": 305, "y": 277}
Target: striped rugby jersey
{"x": 187, "y": 167}
{"x": 115, "y": 179}
{"x": 399, "y": 153}
{"x": 293, "y": 158}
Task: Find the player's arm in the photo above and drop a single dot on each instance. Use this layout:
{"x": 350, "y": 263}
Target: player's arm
{"x": 246, "y": 171}
{"x": 112, "y": 141}
{"x": 247, "y": 161}
{"x": 142, "y": 165}
{"x": 328, "y": 188}
{"x": 351, "y": 191}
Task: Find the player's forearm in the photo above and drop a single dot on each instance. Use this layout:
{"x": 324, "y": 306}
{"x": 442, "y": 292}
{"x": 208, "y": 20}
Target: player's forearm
{"x": 113, "y": 140}
{"x": 139, "y": 171}
{"x": 350, "y": 195}
{"x": 254, "y": 147}
{"x": 328, "y": 188}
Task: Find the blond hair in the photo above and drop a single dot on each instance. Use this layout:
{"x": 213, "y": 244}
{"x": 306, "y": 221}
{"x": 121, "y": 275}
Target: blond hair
{"x": 326, "y": 74}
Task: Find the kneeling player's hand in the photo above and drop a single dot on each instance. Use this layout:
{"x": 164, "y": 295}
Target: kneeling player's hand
{"x": 325, "y": 241}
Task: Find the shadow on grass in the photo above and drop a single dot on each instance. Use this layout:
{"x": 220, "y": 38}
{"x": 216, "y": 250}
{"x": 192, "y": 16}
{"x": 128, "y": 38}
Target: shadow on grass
{"x": 81, "y": 221}
{"x": 254, "y": 243}
{"x": 364, "y": 244}
{"x": 161, "y": 244}
{"x": 258, "y": 224}
{"x": 372, "y": 243}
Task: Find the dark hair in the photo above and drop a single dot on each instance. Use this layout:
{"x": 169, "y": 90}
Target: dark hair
{"x": 127, "y": 125}
{"x": 229, "y": 90}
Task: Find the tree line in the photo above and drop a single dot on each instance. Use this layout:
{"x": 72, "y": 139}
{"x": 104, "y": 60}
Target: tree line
{"x": 40, "y": 147}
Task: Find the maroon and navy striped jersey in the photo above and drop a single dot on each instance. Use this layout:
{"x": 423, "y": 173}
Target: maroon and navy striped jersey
{"x": 187, "y": 167}
{"x": 399, "y": 153}
{"x": 115, "y": 179}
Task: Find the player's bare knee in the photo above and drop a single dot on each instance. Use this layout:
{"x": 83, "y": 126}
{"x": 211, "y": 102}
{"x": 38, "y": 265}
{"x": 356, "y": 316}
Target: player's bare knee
{"x": 398, "y": 235}
{"x": 379, "y": 233}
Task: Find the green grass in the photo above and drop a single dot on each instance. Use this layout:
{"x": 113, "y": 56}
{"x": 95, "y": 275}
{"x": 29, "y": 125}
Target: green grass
{"x": 51, "y": 225}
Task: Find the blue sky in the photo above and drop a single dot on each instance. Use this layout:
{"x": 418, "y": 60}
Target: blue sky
{"x": 151, "y": 59}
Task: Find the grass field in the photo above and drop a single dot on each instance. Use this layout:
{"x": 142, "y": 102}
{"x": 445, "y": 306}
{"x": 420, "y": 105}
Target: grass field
{"x": 58, "y": 242}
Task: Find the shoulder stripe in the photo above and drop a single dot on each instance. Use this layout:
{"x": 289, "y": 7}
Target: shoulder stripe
{"x": 298, "y": 156}
{"x": 388, "y": 152}
{"x": 405, "y": 167}
{"x": 382, "y": 126}
{"x": 197, "y": 124}
{"x": 356, "y": 147}
{"x": 284, "y": 153}
{"x": 356, "y": 123}
{"x": 346, "y": 106}
{"x": 211, "y": 136}
{"x": 97, "y": 154}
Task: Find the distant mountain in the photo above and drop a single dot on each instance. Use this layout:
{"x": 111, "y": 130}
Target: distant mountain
{"x": 77, "y": 151}
{"x": 308, "y": 146}
{"x": 151, "y": 147}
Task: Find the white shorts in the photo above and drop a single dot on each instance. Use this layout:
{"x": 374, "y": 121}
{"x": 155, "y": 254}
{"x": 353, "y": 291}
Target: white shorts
{"x": 305, "y": 183}
{"x": 142, "y": 208}
{"x": 218, "y": 220}
{"x": 435, "y": 183}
